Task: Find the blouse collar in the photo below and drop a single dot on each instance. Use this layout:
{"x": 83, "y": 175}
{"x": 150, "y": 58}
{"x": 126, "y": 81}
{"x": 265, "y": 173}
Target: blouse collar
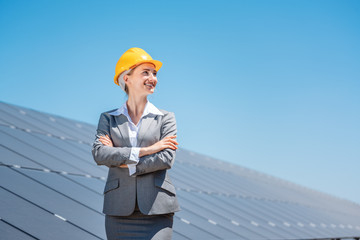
{"x": 149, "y": 109}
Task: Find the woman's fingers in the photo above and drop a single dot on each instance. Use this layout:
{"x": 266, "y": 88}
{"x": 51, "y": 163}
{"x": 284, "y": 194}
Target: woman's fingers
{"x": 106, "y": 144}
{"x": 105, "y": 137}
{"x": 172, "y": 141}
{"x": 171, "y": 145}
{"x": 106, "y": 140}
{"x": 171, "y": 136}
{"x": 169, "y": 142}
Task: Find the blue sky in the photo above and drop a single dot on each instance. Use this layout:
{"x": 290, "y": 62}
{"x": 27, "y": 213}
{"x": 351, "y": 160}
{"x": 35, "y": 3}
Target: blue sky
{"x": 269, "y": 85}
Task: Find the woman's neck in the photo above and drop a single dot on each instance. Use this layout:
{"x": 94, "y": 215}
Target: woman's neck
{"x": 136, "y": 106}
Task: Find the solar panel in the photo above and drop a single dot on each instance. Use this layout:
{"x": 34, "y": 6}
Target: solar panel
{"x": 40, "y": 194}
{"x": 35, "y": 220}
{"x": 51, "y": 188}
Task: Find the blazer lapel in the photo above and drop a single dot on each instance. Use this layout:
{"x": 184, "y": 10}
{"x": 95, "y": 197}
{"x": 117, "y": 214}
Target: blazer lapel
{"x": 145, "y": 127}
{"x": 123, "y": 126}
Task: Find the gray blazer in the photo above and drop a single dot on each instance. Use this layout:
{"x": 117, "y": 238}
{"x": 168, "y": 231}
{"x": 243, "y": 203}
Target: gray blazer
{"x": 151, "y": 185}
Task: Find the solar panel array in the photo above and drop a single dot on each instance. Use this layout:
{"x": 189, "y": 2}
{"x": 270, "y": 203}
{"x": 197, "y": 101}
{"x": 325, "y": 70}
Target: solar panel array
{"x": 51, "y": 188}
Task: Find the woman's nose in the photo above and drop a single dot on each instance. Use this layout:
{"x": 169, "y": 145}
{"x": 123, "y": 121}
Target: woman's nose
{"x": 152, "y": 77}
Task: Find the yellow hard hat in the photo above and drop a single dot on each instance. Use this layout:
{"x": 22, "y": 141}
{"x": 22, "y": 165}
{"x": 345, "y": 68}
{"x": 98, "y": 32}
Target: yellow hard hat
{"x": 132, "y": 58}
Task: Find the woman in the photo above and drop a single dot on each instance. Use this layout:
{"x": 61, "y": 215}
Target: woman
{"x": 138, "y": 143}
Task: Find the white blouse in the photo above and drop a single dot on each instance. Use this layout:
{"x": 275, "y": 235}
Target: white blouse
{"x": 134, "y": 129}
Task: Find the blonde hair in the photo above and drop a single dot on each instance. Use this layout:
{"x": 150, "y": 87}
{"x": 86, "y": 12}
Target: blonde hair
{"x": 121, "y": 81}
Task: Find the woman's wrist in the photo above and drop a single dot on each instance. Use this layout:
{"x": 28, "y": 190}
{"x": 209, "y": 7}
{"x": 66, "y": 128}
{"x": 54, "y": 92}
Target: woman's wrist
{"x": 144, "y": 151}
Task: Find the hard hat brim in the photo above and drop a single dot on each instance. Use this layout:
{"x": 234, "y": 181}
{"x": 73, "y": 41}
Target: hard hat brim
{"x": 156, "y": 63}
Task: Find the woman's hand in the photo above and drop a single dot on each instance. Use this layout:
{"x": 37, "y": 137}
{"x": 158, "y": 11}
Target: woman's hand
{"x": 107, "y": 142}
{"x": 167, "y": 142}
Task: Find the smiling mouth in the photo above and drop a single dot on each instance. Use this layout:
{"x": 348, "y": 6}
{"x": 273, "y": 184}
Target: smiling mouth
{"x": 149, "y": 85}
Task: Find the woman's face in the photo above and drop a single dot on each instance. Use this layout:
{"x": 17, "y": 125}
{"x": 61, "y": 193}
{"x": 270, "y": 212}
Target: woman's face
{"x": 142, "y": 80}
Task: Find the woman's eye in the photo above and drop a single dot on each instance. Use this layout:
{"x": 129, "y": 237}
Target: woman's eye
{"x": 147, "y": 73}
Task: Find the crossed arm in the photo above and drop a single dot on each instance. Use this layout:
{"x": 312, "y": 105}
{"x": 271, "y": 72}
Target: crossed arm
{"x": 158, "y": 156}
{"x": 167, "y": 142}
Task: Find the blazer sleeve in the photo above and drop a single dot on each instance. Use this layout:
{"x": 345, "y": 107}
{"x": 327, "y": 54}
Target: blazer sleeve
{"x": 163, "y": 159}
{"x": 106, "y": 155}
